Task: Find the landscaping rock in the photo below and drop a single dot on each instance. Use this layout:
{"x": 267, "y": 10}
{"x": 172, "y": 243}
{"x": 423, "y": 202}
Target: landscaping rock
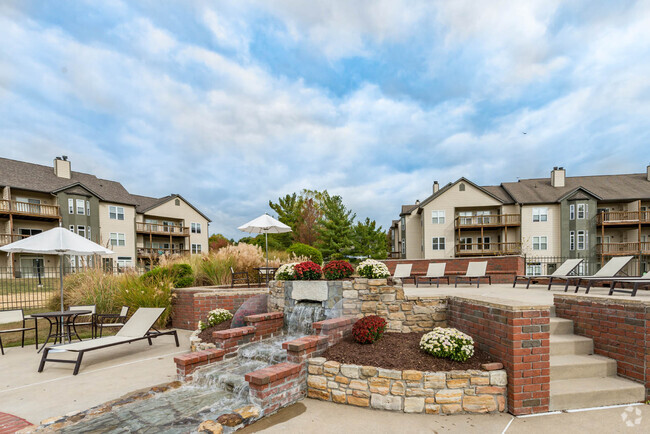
{"x": 449, "y": 396}
{"x": 390, "y": 373}
{"x": 492, "y": 366}
{"x": 317, "y": 361}
{"x": 368, "y": 371}
{"x": 250, "y": 411}
{"x": 382, "y": 402}
{"x": 479, "y": 404}
{"x": 498, "y": 378}
{"x": 413, "y": 405}
{"x": 412, "y": 375}
{"x": 359, "y": 402}
{"x": 435, "y": 381}
{"x": 338, "y": 396}
{"x": 350, "y": 371}
{"x": 210, "y": 427}
{"x": 230, "y": 419}
{"x": 317, "y": 382}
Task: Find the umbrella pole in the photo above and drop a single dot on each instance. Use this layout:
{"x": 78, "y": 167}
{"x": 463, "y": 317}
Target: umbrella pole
{"x": 266, "y": 239}
{"x": 61, "y": 278}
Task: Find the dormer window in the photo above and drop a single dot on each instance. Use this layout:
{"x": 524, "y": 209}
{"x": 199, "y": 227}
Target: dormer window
{"x": 461, "y": 187}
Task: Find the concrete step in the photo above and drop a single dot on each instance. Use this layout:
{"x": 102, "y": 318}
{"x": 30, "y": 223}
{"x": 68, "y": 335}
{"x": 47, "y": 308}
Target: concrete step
{"x": 561, "y": 326}
{"x": 594, "y": 392}
{"x": 581, "y": 366}
{"x": 570, "y": 344}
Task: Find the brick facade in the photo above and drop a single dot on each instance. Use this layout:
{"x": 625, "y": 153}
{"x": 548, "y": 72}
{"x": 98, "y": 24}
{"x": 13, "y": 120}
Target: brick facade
{"x": 516, "y": 336}
{"x": 620, "y": 329}
{"x": 186, "y": 364}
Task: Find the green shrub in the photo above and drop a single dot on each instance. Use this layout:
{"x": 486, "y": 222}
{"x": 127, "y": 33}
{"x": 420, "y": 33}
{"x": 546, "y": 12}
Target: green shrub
{"x": 155, "y": 291}
{"x": 310, "y": 252}
{"x": 91, "y": 286}
{"x": 448, "y": 343}
{"x": 181, "y": 275}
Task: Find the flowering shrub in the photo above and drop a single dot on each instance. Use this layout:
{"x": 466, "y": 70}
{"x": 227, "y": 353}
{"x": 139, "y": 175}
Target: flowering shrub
{"x": 307, "y": 271}
{"x": 373, "y": 269}
{"x": 448, "y": 343}
{"x": 335, "y": 270}
{"x": 368, "y": 329}
{"x": 286, "y": 272}
{"x": 215, "y": 317}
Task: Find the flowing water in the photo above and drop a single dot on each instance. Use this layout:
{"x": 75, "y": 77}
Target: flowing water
{"x": 215, "y": 390}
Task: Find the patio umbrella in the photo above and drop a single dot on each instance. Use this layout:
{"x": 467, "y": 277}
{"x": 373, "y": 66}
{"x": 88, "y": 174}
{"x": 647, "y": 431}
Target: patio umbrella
{"x": 265, "y": 224}
{"x": 57, "y": 241}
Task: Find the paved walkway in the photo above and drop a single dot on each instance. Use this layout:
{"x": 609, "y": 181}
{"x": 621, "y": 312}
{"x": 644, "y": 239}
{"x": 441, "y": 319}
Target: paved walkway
{"x": 9, "y": 424}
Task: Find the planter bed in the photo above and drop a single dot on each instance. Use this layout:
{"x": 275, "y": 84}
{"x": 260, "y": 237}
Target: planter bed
{"x": 399, "y": 351}
{"x": 206, "y": 335}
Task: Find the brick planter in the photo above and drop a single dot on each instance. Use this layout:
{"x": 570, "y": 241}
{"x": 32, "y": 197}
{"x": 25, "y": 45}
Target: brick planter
{"x": 407, "y": 391}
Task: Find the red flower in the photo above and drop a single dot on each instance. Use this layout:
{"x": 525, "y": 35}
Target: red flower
{"x": 307, "y": 271}
{"x": 368, "y": 329}
{"x": 337, "y": 270}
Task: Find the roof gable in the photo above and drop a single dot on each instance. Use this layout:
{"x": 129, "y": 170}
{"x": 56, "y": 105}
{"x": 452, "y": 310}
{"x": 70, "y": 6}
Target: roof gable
{"x": 489, "y": 192}
{"x": 146, "y": 203}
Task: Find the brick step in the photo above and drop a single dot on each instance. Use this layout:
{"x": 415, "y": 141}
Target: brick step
{"x": 561, "y": 345}
{"x": 561, "y": 326}
{"x": 594, "y": 392}
{"x": 581, "y": 366}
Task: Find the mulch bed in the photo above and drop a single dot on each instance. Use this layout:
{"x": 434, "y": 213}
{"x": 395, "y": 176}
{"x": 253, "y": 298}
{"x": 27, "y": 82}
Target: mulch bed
{"x": 399, "y": 351}
{"x": 206, "y": 335}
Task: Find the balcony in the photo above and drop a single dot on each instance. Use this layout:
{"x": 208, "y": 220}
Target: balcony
{"x": 148, "y": 252}
{"x": 488, "y": 249}
{"x": 394, "y": 255}
{"x": 156, "y": 229}
{"x": 10, "y": 238}
{"x": 26, "y": 209}
{"x": 487, "y": 221}
{"x": 623, "y": 218}
{"x": 621, "y": 249}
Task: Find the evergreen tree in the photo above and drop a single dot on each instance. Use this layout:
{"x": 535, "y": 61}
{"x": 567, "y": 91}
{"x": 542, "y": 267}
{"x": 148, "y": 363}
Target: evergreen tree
{"x": 289, "y": 210}
{"x": 369, "y": 240}
{"x": 335, "y": 228}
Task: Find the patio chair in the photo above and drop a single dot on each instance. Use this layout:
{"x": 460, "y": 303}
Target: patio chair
{"x": 17, "y": 315}
{"x": 403, "y": 271}
{"x": 562, "y": 271}
{"x": 84, "y": 320}
{"x": 239, "y": 276}
{"x": 435, "y": 271}
{"x": 609, "y": 270}
{"x": 636, "y": 282}
{"x": 475, "y": 270}
{"x": 136, "y": 328}
{"x": 107, "y": 320}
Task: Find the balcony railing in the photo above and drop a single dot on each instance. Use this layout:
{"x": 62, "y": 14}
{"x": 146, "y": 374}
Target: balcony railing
{"x": 469, "y": 249}
{"x": 153, "y": 252}
{"x": 10, "y": 238}
{"x": 623, "y": 217}
{"x": 29, "y": 209}
{"x": 156, "y": 229}
{"x": 394, "y": 255}
{"x": 614, "y": 249}
{"x": 489, "y": 220}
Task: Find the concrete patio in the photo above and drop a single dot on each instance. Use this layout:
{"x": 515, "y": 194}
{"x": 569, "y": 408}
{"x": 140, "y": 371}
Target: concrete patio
{"x": 105, "y": 375}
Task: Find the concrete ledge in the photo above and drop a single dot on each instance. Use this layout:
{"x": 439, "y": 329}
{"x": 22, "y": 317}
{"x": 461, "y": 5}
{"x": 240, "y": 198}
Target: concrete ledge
{"x": 263, "y": 317}
{"x": 305, "y": 343}
{"x": 334, "y": 323}
{"x": 233, "y": 333}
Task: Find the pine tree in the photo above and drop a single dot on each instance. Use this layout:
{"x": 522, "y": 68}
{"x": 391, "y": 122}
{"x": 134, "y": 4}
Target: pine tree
{"x": 369, "y": 240}
{"x": 335, "y": 228}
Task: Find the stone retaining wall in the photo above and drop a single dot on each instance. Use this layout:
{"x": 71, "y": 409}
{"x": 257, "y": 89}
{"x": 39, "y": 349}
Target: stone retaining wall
{"x": 408, "y": 391}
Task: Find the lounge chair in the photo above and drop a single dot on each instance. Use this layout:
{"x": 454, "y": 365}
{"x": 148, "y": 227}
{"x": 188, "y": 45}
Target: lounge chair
{"x": 636, "y": 282}
{"x": 136, "y": 328}
{"x": 403, "y": 272}
{"x": 239, "y": 277}
{"x": 17, "y": 315}
{"x": 435, "y": 271}
{"x": 107, "y": 320}
{"x": 562, "y": 271}
{"x": 475, "y": 270}
{"x": 609, "y": 270}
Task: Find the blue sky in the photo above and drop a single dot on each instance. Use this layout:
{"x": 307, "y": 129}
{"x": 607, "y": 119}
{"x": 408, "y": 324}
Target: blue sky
{"x": 234, "y": 103}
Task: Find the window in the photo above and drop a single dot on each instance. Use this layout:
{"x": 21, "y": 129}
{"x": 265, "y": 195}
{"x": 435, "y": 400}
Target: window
{"x": 465, "y": 243}
{"x": 70, "y": 206}
{"x": 117, "y": 239}
{"x": 116, "y": 212}
{"x": 403, "y": 247}
{"x": 437, "y": 217}
{"x": 483, "y": 220}
{"x": 572, "y": 240}
{"x": 465, "y": 217}
{"x": 583, "y": 211}
{"x": 88, "y": 232}
{"x": 534, "y": 269}
{"x": 438, "y": 243}
{"x": 484, "y": 243}
{"x": 540, "y": 243}
{"x": 581, "y": 240}
{"x": 572, "y": 212}
{"x": 196, "y": 228}
{"x": 461, "y": 187}
{"x": 29, "y": 232}
{"x": 87, "y": 207}
{"x": 540, "y": 214}
{"x": 72, "y": 228}
{"x": 124, "y": 262}
{"x": 81, "y": 206}
{"x": 177, "y": 202}
{"x": 196, "y": 248}
{"x": 81, "y": 231}
{"x": 599, "y": 240}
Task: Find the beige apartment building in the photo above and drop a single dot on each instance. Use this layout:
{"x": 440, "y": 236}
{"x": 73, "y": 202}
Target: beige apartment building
{"x": 139, "y": 229}
{"x": 545, "y": 219}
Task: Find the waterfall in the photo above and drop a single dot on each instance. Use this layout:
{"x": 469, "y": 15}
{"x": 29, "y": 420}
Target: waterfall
{"x": 303, "y": 315}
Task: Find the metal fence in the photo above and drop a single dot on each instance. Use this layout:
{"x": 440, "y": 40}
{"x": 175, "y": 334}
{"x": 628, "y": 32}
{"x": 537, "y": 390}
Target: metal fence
{"x": 545, "y": 265}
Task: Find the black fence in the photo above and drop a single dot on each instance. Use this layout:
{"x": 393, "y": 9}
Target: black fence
{"x": 544, "y": 265}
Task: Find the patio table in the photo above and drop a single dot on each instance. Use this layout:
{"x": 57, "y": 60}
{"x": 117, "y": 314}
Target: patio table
{"x": 266, "y": 272}
{"x": 60, "y": 321}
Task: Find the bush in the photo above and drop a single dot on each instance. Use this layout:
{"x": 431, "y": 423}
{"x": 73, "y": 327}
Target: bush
{"x": 368, "y": 329}
{"x": 215, "y": 317}
{"x": 181, "y": 274}
{"x": 286, "y": 272}
{"x": 155, "y": 291}
{"x": 373, "y": 269}
{"x": 310, "y": 252}
{"x": 307, "y": 271}
{"x": 448, "y": 343}
{"x": 335, "y": 270}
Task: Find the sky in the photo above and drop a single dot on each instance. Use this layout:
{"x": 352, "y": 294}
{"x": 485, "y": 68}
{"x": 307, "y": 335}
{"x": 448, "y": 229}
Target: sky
{"x": 235, "y": 103}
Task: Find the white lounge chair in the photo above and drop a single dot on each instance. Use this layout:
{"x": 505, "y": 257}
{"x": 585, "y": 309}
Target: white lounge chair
{"x": 562, "y": 272}
{"x": 475, "y": 270}
{"x": 609, "y": 270}
{"x": 636, "y": 282}
{"x": 435, "y": 271}
{"x": 403, "y": 271}
{"x": 136, "y": 328}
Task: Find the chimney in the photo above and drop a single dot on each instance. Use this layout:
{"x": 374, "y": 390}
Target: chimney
{"x": 558, "y": 175}
{"x": 647, "y": 170}
{"x": 62, "y": 167}
{"x": 417, "y": 201}
{"x": 436, "y": 186}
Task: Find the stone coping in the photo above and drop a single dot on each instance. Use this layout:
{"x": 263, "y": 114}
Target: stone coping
{"x": 233, "y": 333}
{"x": 333, "y": 323}
{"x": 272, "y": 373}
{"x": 504, "y": 304}
{"x": 209, "y": 355}
{"x": 199, "y": 290}
{"x": 608, "y": 299}
{"x": 306, "y": 342}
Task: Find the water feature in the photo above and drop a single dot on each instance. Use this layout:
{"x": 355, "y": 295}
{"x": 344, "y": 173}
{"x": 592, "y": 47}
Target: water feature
{"x": 216, "y": 389}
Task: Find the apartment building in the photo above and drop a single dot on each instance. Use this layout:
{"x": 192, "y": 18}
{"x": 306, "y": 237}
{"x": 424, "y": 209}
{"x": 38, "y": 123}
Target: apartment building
{"x": 139, "y": 229}
{"x": 591, "y": 217}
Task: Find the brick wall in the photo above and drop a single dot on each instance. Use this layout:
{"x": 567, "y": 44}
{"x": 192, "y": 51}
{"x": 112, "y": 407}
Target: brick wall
{"x": 502, "y": 269}
{"x": 190, "y": 305}
{"x": 276, "y": 386}
{"x": 620, "y": 329}
{"x": 516, "y": 336}
{"x": 186, "y": 364}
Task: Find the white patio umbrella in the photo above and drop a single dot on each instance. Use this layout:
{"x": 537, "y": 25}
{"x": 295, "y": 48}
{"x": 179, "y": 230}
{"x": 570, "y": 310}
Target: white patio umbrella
{"x": 265, "y": 224}
{"x": 57, "y": 241}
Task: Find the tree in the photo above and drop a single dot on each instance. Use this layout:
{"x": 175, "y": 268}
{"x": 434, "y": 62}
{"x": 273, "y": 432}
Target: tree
{"x": 307, "y": 226}
{"x": 288, "y": 209}
{"x": 217, "y": 241}
{"x": 369, "y": 240}
{"x": 335, "y": 228}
